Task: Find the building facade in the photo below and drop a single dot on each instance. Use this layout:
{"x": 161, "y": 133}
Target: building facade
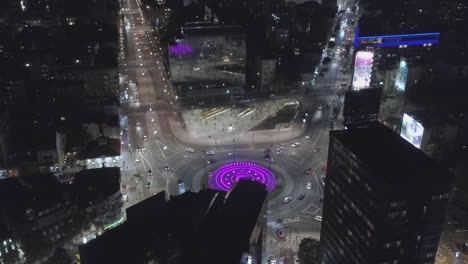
{"x": 208, "y": 64}
{"x": 384, "y": 200}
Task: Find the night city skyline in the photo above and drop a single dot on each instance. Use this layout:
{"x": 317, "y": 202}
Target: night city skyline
{"x": 223, "y": 131}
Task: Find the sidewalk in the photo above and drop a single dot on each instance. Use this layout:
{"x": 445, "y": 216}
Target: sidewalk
{"x": 287, "y": 247}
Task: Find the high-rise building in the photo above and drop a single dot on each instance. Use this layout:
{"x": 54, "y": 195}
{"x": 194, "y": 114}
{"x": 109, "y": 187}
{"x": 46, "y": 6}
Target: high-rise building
{"x": 385, "y": 200}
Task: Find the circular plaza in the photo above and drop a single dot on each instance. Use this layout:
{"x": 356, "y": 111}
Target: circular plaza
{"x": 225, "y": 177}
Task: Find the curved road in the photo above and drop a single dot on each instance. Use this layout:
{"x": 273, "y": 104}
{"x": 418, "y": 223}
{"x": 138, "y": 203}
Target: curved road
{"x": 150, "y": 149}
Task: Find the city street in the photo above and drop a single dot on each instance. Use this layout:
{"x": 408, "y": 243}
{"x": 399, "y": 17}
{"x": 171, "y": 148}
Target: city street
{"x": 154, "y": 140}
{"x": 155, "y": 136}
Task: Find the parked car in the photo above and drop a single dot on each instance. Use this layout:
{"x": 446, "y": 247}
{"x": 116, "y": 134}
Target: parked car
{"x": 300, "y": 196}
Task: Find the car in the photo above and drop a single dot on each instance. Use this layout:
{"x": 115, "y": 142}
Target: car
{"x": 296, "y": 260}
{"x": 318, "y": 218}
{"x": 320, "y": 198}
{"x": 270, "y": 159}
{"x": 460, "y": 230}
{"x": 319, "y": 107}
{"x": 316, "y": 150}
{"x": 300, "y": 196}
{"x": 307, "y": 137}
{"x": 309, "y": 171}
{"x": 166, "y": 168}
{"x": 211, "y": 161}
{"x": 287, "y": 199}
{"x": 279, "y": 152}
{"x": 452, "y": 221}
{"x": 138, "y": 123}
{"x": 150, "y": 172}
{"x": 322, "y": 179}
{"x": 148, "y": 185}
{"x": 210, "y": 153}
{"x": 309, "y": 185}
{"x": 296, "y": 144}
{"x": 230, "y": 153}
{"x": 137, "y": 160}
{"x": 180, "y": 183}
{"x": 271, "y": 260}
{"x": 189, "y": 150}
{"x": 143, "y": 149}
{"x": 324, "y": 168}
{"x": 279, "y": 233}
{"x": 145, "y": 138}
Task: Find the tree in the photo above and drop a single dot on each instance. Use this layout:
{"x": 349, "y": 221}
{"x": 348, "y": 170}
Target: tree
{"x": 326, "y": 60}
{"x": 60, "y": 256}
{"x": 309, "y": 251}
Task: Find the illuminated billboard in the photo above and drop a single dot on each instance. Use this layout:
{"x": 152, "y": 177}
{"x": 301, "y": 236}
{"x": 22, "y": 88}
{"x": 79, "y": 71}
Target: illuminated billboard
{"x": 402, "y": 74}
{"x": 402, "y": 40}
{"x": 362, "y": 69}
{"x": 412, "y": 130}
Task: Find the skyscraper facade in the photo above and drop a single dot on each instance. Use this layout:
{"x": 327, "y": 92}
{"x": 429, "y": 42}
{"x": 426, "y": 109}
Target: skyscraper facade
{"x": 385, "y": 200}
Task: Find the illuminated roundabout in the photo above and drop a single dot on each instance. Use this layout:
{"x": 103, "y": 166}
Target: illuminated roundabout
{"x": 224, "y": 177}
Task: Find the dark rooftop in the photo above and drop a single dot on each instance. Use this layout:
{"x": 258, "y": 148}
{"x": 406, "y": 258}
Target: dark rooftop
{"x": 395, "y": 160}
{"x": 380, "y": 26}
{"x": 102, "y": 147}
{"x": 206, "y": 227}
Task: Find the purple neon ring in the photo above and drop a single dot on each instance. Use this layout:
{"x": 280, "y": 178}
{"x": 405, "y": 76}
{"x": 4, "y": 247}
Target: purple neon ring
{"x": 224, "y": 177}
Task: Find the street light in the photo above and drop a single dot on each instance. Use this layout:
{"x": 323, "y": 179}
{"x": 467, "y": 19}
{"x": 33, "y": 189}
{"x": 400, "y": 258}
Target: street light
{"x": 234, "y": 143}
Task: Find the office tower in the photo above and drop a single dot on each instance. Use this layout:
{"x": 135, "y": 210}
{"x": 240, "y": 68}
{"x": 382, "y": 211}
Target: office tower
{"x": 385, "y": 200}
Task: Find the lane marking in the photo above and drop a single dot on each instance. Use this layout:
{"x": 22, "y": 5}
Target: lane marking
{"x": 314, "y": 212}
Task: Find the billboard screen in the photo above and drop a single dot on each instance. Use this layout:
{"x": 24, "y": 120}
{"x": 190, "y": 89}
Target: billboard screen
{"x": 362, "y": 69}
{"x": 412, "y": 130}
{"x": 402, "y": 74}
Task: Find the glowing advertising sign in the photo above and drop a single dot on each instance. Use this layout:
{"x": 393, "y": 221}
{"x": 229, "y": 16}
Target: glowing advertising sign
{"x": 412, "y": 130}
{"x": 402, "y": 74}
{"x": 180, "y": 49}
{"x": 362, "y": 69}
